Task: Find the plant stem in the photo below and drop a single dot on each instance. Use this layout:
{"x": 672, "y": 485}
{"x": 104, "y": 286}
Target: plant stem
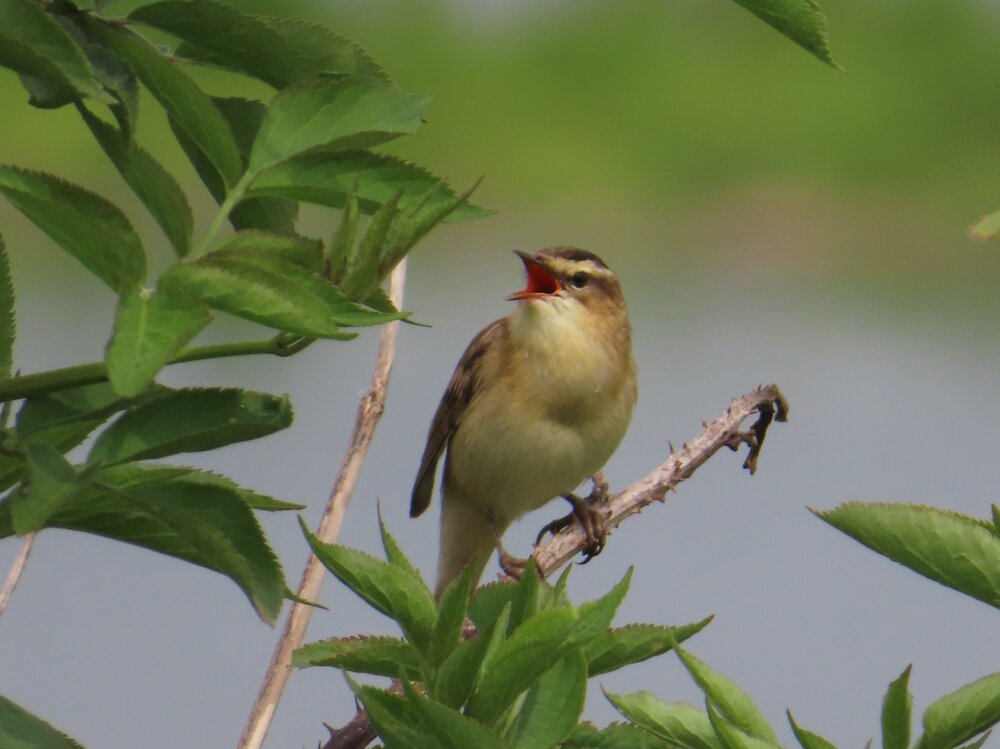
{"x": 87, "y": 374}
{"x": 232, "y": 198}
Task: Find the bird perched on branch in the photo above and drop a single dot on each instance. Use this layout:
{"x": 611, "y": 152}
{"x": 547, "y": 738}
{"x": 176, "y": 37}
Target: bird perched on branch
{"x": 538, "y": 402}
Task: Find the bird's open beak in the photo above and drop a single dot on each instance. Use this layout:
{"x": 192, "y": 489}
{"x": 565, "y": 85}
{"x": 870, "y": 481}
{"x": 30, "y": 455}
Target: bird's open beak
{"x": 541, "y": 282}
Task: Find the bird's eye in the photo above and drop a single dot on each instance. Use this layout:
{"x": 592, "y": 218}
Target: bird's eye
{"x": 579, "y": 280}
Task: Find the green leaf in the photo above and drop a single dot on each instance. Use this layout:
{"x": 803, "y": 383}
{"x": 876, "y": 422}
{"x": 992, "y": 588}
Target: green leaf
{"x": 732, "y": 736}
{"x": 190, "y": 420}
{"x": 637, "y": 642}
{"x": 80, "y": 409}
{"x": 454, "y": 602}
{"x": 154, "y": 186}
{"x": 384, "y": 586}
{"x": 341, "y": 247}
{"x": 310, "y": 284}
{"x": 553, "y": 705}
{"x": 146, "y": 473}
{"x": 7, "y": 326}
{"x": 807, "y": 739}
{"x": 245, "y": 289}
{"x": 186, "y": 104}
{"x": 50, "y": 483}
{"x": 19, "y": 729}
{"x": 488, "y": 602}
{"x": 32, "y": 43}
{"x": 394, "y": 554}
{"x": 450, "y": 728}
{"x": 596, "y": 616}
{"x": 333, "y": 114}
{"x": 456, "y": 676}
{"x": 200, "y": 521}
{"x": 733, "y": 703}
{"x": 394, "y": 719}
{"x": 328, "y": 178}
{"x": 802, "y": 21}
{"x": 675, "y": 722}
{"x": 151, "y": 327}
{"x": 978, "y": 742}
{"x": 964, "y": 713}
{"x": 362, "y": 270}
{"x": 294, "y": 248}
{"x": 243, "y": 117}
{"x": 953, "y": 549}
{"x": 896, "y": 707}
{"x": 274, "y": 50}
{"x": 531, "y": 650}
{"x": 988, "y": 227}
{"x": 382, "y": 656}
{"x": 614, "y": 736}
{"x": 86, "y": 225}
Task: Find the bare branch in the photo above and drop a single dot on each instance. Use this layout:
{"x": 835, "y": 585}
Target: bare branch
{"x": 767, "y": 401}
{"x": 369, "y": 412}
{"x": 16, "y": 570}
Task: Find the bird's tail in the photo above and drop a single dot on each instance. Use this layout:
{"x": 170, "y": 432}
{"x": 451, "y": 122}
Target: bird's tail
{"x": 466, "y": 535}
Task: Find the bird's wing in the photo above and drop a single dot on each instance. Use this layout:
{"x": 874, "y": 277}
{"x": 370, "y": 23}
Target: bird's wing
{"x": 462, "y": 388}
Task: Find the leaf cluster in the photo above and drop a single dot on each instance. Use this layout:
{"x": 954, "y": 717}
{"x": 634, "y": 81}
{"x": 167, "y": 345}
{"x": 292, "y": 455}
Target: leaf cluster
{"x": 506, "y": 666}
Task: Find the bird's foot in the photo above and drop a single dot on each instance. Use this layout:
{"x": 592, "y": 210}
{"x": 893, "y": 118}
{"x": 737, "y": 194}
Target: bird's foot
{"x": 588, "y": 514}
{"x": 513, "y": 567}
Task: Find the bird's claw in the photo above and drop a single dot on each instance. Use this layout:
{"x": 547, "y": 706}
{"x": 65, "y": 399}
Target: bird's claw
{"x": 591, "y": 519}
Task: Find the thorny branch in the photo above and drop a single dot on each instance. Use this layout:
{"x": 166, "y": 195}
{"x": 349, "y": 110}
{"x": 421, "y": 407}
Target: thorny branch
{"x": 725, "y": 431}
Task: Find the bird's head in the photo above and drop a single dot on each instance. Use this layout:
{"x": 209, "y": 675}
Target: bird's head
{"x": 567, "y": 276}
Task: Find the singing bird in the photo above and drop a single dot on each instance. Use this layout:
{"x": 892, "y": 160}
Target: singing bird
{"x": 538, "y": 403}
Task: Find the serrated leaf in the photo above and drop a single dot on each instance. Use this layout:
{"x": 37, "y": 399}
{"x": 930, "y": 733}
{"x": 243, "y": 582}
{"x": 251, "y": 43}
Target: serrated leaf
{"x": 896, "y": 707}
{"x": 732, "y": 736}
{"x": 294, "y": 248}
{"x": 310, "y": 284}
{"x": 802, "y": 21}
{"x": 19, "y": 729}
{"x": 456, "y": 676}
{"x": 451, "y": 610}
{"x": 988, "y": 227}
{"x": 450, "y": 728}
{"x": 333, "y": 114}
{"x": 74, "y": 406}
{"x": 733, "y": 703}
{"x": 155, "y": 187}
{"x": 84, "y": 224}
{"x": 186, "y": 104}
{"x": 963, "y": 714}
{"x": 952, "y": 549}
{"x": 136, "y": 474}
{"x": 31, "y": 42}
{"x": 276, "y": 51}
{"x": 394, "y": 719}
{"x": 488, "y": 602}
{"x": 198, "y": 521}
{"x": 190, "y": 420}
{"x": 394, "y": 554}
{"x": 384, "y": 586}
{"x": 246, "y": 290}
{"x": 328, "y": 178}
{"x": 50, "y": 482}
{"x": 382, "y": 656}
{"x": 362, "y": 270}
{"x": 7, "y": 327}
{"x": 635, "y": 643}
{"x": 151, "y": 327}
{"x": 675, "y": 722}
{"x": 595, "y": 616}
{"x": 531, "y": 650}
{"x": 341, "y": 248}
{"x": 614, "y": 736}
{"x": 553, "y": 705}
{"x": 807, "y": 739}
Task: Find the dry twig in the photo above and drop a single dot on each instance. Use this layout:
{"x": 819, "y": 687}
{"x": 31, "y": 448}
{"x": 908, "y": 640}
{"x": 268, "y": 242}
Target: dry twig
{"x": 769, "y": 404}
{"x": 16, "y": 570}
{"x": 369, "y": 412}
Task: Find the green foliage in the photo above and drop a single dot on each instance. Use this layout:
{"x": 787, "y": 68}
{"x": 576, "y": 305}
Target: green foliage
{"x": 518, "y": 680}
{"x": 802, "y": 21}
{"x": 955, "y": 550}
{"x": 332, "y": 104}
{"x": 19, "y": 729}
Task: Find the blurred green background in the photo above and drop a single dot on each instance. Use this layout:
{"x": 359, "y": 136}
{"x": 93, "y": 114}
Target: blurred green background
{"x": 771, "y": 219}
